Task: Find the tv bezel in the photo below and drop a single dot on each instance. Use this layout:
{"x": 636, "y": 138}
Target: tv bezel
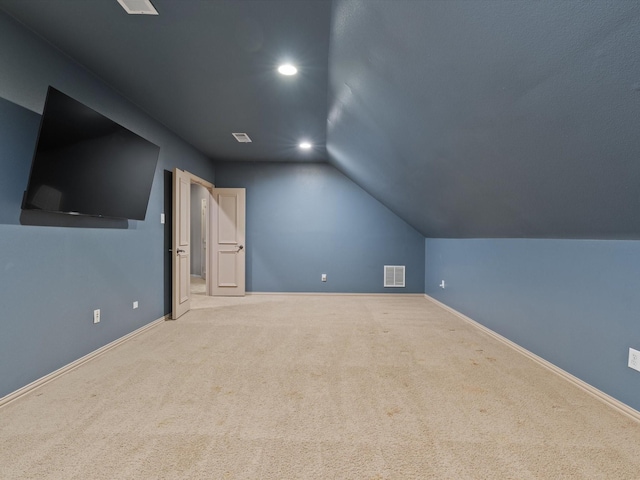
{"x": 26, "y": 206}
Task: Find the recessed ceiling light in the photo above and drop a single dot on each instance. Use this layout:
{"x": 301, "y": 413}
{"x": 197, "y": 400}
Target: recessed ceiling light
{"x": 305, "y": 145}
{"x": 287, "y": 69}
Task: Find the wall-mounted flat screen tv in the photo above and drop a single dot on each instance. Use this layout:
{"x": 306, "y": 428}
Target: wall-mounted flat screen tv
{"x": 87, "y": 164}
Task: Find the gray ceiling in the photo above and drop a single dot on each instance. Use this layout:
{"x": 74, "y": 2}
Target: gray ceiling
{"x": 487, "y": 118}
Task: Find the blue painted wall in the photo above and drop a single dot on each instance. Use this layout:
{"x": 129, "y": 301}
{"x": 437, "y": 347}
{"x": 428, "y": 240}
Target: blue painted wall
{"x": 52, "y": 278}
{"x": 307, "y": 219}
{"x": 575, "y": 303}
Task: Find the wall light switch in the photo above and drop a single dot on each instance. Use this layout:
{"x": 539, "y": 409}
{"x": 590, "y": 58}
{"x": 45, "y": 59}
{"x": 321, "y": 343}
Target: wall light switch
{"x": 135, "y": 304}
{"x": 634, "y": 359}
{"x": 162, "y": 218}
{"x": 324, "y": 277}
{"x": 96, "y": 316}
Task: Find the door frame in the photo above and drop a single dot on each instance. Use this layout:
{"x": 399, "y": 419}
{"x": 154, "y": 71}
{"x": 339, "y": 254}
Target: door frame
{"x": 194, "y": 179}
{"x": 204, "y": 236}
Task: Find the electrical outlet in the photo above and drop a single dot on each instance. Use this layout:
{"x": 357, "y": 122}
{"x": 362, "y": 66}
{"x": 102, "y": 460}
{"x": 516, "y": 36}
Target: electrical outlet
{"x": 634, "y": 359}
{"x": 135, "y": 304}
{"x": 96, "y": 316}
{"x": 324, "y": 277}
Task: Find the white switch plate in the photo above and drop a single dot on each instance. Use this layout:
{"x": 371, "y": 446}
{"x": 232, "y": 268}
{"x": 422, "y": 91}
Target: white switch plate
{"x": 162, "y": 218}
{"x": 634, "y": 359}
{"x": 324, "y": 277}
{"x": 96, "y": 316}
{"x": 135, "y": 304}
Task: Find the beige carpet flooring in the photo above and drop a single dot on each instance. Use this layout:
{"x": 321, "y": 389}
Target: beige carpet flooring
{"x": 304, "y": 387}
{"x": 198, "y": 285}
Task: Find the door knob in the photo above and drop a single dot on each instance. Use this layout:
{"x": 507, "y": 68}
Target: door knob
{"x": 179, "y": 251}
{"x": 240, "y": 248}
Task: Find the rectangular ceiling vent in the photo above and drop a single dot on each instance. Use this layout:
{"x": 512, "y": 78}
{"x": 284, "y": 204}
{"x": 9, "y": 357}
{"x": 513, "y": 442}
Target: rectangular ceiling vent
{"x": 242, "y": 137}
{"x": 394, "y": 275}
{"x": 138, "y": 7}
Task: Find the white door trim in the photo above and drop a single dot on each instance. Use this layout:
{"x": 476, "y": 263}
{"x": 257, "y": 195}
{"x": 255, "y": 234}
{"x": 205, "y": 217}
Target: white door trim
{"x": 180, "y": 305}
{"x": 204, "y": 236}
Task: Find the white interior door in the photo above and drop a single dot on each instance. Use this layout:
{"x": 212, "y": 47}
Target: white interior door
{"x": 226, "y": 245}
{"x": 181, "y": 248}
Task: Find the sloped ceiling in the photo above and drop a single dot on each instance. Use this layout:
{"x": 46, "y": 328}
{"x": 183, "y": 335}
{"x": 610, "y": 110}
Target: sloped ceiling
{"x": 485, "y": 118}
{"x": 491, "y": 118}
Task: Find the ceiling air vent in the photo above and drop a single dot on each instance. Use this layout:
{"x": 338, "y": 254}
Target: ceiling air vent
{"x": 138, "y": 7}
{"x": 394, "y": 275}
{"x": 242, "y": 137}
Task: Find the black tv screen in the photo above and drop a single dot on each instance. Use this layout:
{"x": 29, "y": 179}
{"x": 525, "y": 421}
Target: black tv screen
{"x": 87, "y": 164}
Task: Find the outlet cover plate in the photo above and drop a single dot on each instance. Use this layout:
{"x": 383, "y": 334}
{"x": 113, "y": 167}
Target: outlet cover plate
{"x": 96, "y": 316}
{"x": 634, "y": 359}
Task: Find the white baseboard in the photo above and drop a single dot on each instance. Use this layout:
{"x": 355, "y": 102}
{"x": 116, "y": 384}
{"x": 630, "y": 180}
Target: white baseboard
{"x": 75, "y": 364}
{"x": 590, "y": 389}
{"x": 337, "y": 294}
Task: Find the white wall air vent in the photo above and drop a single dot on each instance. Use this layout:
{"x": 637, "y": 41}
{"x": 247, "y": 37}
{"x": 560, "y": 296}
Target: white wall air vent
{"x": 138, "y": 7}
{"x": 242, "y": 137}
{"x": 394, "y": 275}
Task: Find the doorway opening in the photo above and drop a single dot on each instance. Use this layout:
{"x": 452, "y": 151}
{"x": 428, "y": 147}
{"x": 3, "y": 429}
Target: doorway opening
{"x": 199, "y": 234}
{"x": 208, "y": 226}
